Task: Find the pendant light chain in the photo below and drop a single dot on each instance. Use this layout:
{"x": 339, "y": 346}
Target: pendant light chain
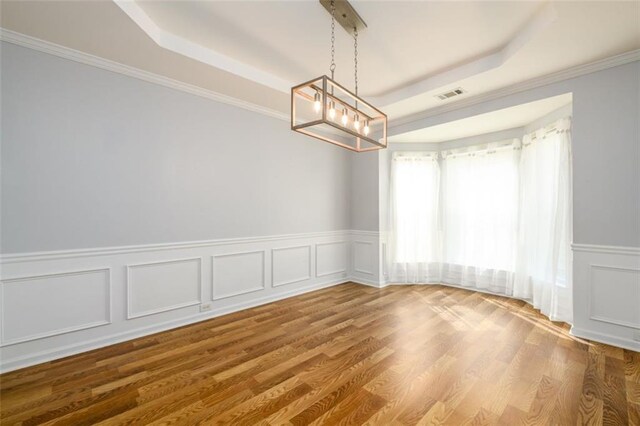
{"x": 332, "y": 67}
{"x": 355, "y": 56}
{"x": 355, "y": 59}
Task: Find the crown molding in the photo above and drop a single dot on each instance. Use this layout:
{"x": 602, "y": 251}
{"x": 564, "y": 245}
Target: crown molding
{"x": 106, "y": 64}
{"x": 198, "y": 52}
{"x": 88, "y": 59}
{"x": 566, "y": 74}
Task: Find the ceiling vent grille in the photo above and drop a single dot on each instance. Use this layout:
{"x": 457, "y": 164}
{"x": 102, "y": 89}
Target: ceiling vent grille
{"x": 450, "y": 94}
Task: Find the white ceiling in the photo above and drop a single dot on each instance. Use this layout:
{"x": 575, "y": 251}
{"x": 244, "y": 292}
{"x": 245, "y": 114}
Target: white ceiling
{"x": 494, "y": 121}
{"x": 411, "y": 51}
{"x": 405, "y": 41}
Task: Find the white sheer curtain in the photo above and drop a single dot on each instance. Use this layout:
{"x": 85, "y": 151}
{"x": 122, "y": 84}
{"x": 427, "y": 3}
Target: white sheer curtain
{"x": 543, "y": 267}
{"x": 494, "y": 218}
{"x": 479, "y": 215}
{"x": 414, "y": 240}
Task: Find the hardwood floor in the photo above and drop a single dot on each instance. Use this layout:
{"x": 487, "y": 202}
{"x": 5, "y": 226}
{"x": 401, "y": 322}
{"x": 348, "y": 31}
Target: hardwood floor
{"x": 349, "y": 354}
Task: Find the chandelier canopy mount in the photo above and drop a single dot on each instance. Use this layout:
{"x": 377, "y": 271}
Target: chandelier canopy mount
{"x": 345, "y": 14}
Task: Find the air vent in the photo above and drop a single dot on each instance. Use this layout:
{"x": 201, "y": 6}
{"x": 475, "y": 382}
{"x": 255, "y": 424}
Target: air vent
{"x": 450, "y": 94}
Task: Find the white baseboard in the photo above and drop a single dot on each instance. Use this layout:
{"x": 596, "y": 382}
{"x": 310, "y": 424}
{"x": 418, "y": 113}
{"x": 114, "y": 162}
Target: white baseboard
{"x": 369, "y": 283}
{"x": 606, "y": 339}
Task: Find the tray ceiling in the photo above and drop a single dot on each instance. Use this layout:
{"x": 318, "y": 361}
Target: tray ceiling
{"x": 411, "y": 51}
{"x": 490, "y": 122}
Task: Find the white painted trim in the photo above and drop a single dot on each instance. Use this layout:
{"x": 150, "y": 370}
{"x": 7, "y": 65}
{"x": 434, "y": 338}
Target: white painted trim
{"x": 605, "y": 338}
{"x": 106, "y": 64}
{"x": 62, "y": 254}
{"x": 72, "y": 349}
{"x": 368, "y": 282}
{"x": 331, "y": 272}
{"x": 308, "y": 277}
{"x": 590, "y": 296}
{"x": 215, "y": 297}
{"x": 594, "y": 248}
{"x": 129, "y": 267}
{"x": 384, "y": 269}
{"x": 355, "y": 269}
{"x": 533, "y": 83}
{"x": 52, "y": 333}
{"x": 364, "y": 233}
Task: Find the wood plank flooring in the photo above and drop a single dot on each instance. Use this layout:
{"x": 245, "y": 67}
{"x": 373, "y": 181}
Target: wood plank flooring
{"x": 349, "y": 354}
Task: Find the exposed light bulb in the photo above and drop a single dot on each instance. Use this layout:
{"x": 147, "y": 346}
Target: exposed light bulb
{"x": 366, "y": 127}
{"x": 345, "y": 117}
{"x": 316, "y": 102}
{"x": 332, "y": 110}
{"x": 356, "y": 122}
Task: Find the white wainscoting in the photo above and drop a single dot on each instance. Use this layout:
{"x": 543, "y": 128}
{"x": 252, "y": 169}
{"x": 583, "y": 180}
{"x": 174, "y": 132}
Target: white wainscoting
{"x": 235, "y": 274}
{"x": 60, "y": 303}
{"x": 40, "y": 306}
{"x": 332, "y": 258}
{"x": 157, "y": 287}
{"x": 366, "y": 251}
{"x": 290, "y": 265}
{"x": 606, "y": 294}
{"x": 55, "y": 304}
{"x": 363, "y": 257}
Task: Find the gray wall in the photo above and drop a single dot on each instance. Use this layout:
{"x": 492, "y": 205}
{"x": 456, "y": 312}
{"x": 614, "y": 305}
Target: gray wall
{"x": 606, "y": 149}
{"x": 364, "y": 191}
{"x": 92, "y": 158}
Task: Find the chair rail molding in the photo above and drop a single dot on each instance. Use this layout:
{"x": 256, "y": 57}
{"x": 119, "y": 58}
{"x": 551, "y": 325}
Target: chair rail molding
{"x": 593, "y": 248}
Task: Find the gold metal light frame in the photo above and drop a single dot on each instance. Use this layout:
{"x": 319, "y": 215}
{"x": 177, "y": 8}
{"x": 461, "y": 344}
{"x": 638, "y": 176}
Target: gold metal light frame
{"x": 315, "y": 120}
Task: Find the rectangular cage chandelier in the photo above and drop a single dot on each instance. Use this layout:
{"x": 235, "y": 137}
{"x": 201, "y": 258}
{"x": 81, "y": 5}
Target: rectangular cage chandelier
{"x": 323, "y": 109}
